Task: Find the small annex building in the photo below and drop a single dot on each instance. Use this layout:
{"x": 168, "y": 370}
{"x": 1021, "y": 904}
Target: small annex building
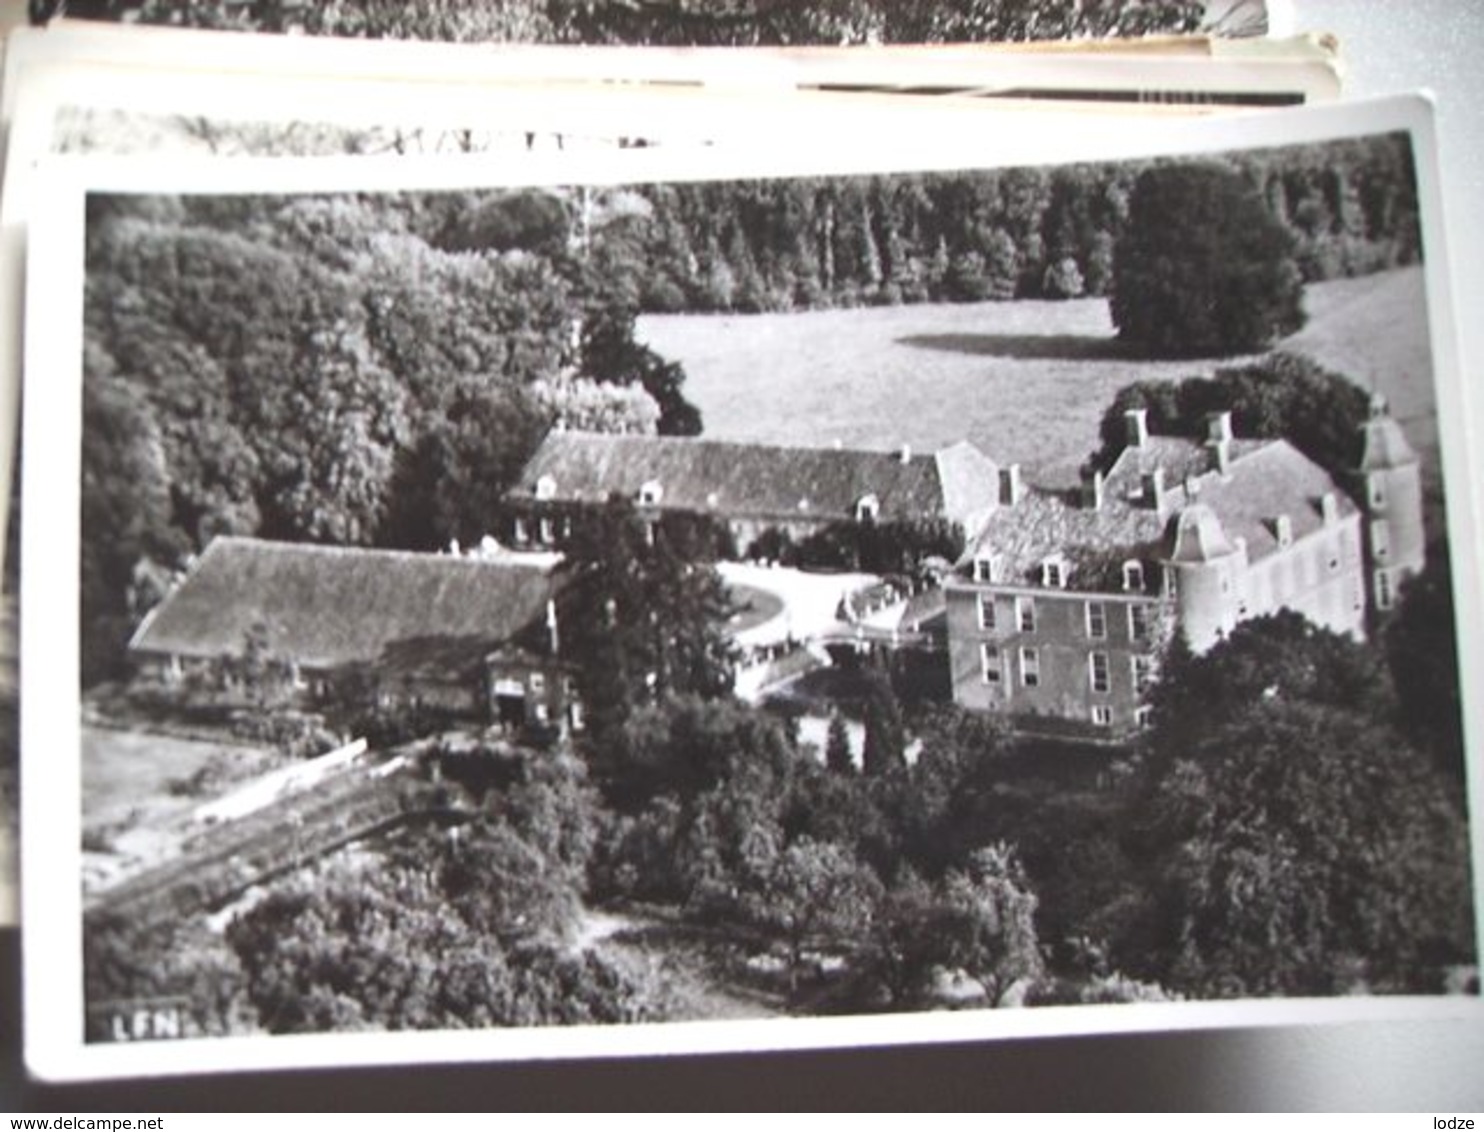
{"x": 468, "y": 635}
{"x": 751, "y": 488}
{"x": 1059, "y": 613}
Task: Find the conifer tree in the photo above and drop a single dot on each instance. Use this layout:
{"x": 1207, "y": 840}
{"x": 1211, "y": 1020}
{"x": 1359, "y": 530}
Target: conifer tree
{"x": 837, "y": 754}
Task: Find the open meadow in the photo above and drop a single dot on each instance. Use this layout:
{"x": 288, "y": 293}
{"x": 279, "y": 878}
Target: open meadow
{"x": 1026, "y": 381}
{"x": 131, "y": 777}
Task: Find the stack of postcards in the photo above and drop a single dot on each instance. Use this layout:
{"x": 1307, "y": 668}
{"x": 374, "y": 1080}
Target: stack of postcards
{"x": 540, "y": 522}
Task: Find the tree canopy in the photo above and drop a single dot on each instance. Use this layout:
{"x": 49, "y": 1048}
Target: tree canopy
{"x": 1281, "y": 396}
{"x": 369, "y": 371}
{"x": 640, "y": 619}
{"x": 1203, "y": 268}
{"x": 1298, "y": 842}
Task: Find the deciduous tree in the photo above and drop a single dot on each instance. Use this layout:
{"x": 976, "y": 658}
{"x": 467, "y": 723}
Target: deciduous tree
{"x": 1300, "y": 843}
{"x": 1203, "y": 269}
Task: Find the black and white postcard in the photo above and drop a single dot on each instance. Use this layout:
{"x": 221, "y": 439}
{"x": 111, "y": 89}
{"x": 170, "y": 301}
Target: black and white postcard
{"x": 679, "y": 602}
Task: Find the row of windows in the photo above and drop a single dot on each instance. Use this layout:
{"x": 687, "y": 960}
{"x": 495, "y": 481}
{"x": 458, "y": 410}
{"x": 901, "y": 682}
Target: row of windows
{"x": 1054, "y": 572}
{"x": 992, "y": 666}
{"x": 547, "y": 529}
{"x": 1095, "y": 617}
{"x": 650, "y": 493}
{"x": 1102, "y": 716}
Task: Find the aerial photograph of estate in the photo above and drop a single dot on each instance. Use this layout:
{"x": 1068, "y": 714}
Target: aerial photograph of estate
{"x": 767, "y": 598}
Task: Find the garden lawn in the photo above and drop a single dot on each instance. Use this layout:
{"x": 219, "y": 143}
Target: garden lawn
{"x": 126, "y": 775}
{"x": 1026, "y": 381}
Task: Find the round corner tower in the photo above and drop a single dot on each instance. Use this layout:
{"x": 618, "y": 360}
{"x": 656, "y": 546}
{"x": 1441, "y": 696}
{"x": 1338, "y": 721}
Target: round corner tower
{"x": 1206, "y": 566}
{"x": 1388, "y": 487}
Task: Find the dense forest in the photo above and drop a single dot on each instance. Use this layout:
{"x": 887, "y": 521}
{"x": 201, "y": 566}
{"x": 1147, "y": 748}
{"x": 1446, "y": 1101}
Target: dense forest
{"x": 1350, "y": 207}
{"x": 683, "y": 22}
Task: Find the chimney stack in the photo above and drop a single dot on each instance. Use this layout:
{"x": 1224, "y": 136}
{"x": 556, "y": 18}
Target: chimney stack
{"x": 1095, "y": 491}
{"x": 906, "y": 454}
{"x": 1219, "y": 440}
{"x": 1329, "y": 508}
{"x": 1137, "y": 424}
{"x": 1283, "y": 528}
{"x": 1154, "y": 489}
{"x": 1011, "y": 490}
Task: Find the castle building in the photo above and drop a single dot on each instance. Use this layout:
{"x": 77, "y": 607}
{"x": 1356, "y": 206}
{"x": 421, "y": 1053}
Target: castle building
{"x": 750, "y": 489}
{"x": 1060, "y": 611}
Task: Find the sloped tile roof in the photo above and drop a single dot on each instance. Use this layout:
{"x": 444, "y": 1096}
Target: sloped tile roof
{"x": 1276, "y": 479}
{"x": 1045, "y": 523}
{"x": 1179, "y": 458}
{"x": 1385, "y": 446}
{"x": 970, "y": 483}
{"x": 324, "y": 607}
{"x": 753, "y": 480}
{"x": 1265, "y": 479}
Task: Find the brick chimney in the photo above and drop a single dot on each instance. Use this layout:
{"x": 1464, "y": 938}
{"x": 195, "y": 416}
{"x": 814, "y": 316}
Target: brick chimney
{"x": 1011, "y": 489}
{"x": 1219, "y": 440}
{"x": 1283, "y": 530}
{"x": 1153, "y": 484}
{"x": 1329, "y": 508}
{"x": 1095, "y": 490}
{"x": 1136, "y": 424}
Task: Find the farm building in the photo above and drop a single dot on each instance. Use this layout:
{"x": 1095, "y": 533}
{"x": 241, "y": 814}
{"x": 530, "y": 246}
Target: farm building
{"x": 467, "y": 635}
{"x": 1058, "y": 614}
{"x": 751, "y": 489}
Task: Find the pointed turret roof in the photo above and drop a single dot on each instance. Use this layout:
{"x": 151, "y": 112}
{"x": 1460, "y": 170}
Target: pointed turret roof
{"x": 1199, "y": 536}
{"x": 1383, "y": 444}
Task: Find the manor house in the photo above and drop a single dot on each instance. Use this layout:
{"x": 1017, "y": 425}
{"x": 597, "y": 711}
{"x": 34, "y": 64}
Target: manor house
{"x": 1061, "y": 608}
{"x": 1061, "y": 602}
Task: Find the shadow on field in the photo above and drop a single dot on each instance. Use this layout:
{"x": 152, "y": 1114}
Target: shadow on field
{"x": 1066, "y": 347}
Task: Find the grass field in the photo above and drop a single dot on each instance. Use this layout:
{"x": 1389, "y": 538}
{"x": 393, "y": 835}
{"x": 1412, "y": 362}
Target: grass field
{"x": 1026, "y": 381}
{"x": 126, "y": 775}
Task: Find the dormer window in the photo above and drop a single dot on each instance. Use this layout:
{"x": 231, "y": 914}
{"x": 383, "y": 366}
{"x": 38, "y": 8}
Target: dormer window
{"x": 1054, "y": 572}
{"x": 1133, "y": 576}
{"x": 987, "y": 569}
{"x": 650, "y": 493}
{"x": 546, "y": 487}
{"x": 867, "y": 508}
